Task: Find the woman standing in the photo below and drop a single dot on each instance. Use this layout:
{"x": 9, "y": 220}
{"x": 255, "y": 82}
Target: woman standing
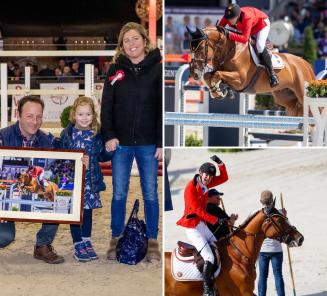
{"x": 131, "y": 124}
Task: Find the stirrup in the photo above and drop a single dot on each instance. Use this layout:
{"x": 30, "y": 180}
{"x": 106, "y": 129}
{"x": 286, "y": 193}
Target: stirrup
{"x": 273, "y": 80}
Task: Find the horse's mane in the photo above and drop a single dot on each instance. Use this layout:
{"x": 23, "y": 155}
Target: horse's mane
{"x": 248, "y": 219}
{"x": 210, "y": 28}
{"x": 243, "y": 225}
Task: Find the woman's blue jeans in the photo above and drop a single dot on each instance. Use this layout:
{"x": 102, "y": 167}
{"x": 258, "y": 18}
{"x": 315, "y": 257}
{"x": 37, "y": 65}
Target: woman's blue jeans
{"x": 276, "y": 262}
{"x": 121, "y": 171}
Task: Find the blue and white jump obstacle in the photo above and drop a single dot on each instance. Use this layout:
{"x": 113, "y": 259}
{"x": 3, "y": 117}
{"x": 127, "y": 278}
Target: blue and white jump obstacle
{"x": 243, "y": 121}
{"x": 29, "y": 202}
{"x": 57, "y": 206}
{"x": 234, "y": 120}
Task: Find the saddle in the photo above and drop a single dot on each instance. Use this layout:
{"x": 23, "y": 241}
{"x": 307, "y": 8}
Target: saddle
{"x": 185, "y": 249}
{"x": 276, "y": 60}
{"x": 187, "y": 265}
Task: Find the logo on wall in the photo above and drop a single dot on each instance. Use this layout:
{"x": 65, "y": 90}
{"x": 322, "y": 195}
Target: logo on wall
{"x": 59, "y": 99}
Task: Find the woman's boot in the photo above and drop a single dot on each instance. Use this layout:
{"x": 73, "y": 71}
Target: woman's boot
{"x": 111, "y": 253}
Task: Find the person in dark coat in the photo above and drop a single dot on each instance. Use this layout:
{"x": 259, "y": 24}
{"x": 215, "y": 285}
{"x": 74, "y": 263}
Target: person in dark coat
{"x": 219, "y": 229}
{"x": 131, "y": 120}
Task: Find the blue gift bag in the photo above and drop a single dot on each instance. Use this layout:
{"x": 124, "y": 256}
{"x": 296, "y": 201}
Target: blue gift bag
{"x": 132, "y": 246}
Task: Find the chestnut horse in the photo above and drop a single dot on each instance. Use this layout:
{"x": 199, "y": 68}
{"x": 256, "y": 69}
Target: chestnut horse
{"x": 26, "y": 183}
{"x": 239, "y": 252}
{"x": 233, "y": 66}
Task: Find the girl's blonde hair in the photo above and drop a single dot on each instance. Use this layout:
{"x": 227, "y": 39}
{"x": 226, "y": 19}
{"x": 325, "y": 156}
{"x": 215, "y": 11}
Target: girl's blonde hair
{"x": 141, "y": 30}
{"x": 82, "y": 101}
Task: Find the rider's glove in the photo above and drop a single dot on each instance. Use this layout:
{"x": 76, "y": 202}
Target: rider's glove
{"x": 216, "y": 159}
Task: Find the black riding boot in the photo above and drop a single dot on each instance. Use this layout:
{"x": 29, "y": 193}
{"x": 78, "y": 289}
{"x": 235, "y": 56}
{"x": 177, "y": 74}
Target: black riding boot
{"x": 41, "y": 183}
{"x": 207, "y": 279}
{"x": 265, "y": 57}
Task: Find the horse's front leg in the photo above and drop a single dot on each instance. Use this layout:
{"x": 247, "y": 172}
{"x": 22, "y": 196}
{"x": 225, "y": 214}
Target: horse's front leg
{"x": 213, "y": 81}
{"x": 29, "y": 188}
{"x": 216, "y": 80}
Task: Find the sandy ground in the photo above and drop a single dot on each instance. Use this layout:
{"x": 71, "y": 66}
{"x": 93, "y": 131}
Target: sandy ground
{"x": 22, "y": 275}
{"x": 300, "y": 174}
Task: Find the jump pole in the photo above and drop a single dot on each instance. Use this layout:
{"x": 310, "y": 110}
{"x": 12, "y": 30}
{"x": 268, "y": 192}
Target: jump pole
{"x": 288, "y": 252}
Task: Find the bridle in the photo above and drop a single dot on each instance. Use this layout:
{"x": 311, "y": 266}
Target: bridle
{"x": 281, "y": 238}
{"x": 207, "y": 43}
{"x": 204, "y": 61}
{"x": 268, "y": 221}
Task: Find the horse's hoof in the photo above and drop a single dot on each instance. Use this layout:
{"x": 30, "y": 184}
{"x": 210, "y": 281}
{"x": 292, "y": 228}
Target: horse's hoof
{"x": 216, "y": 95}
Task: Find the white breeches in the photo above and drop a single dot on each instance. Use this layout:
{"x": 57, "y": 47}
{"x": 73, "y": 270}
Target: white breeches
{"x": 262, "y": 36}
{"x": 199, "y": 236}
{"x": 40, "y": 177}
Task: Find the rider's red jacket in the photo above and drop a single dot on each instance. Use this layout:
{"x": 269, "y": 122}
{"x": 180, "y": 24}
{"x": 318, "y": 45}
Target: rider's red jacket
{"x": 250, "y": 22}
{"x": 196, "y": 200}
{"x": 35, "y": 171}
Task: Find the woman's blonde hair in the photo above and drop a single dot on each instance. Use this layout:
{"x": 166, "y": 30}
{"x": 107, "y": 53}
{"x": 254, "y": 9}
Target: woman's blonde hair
{"x": 141, "y": 30}
{"x": 82, "y": 101}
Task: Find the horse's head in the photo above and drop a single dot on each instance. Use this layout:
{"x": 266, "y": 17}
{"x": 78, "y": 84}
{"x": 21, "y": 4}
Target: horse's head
{"x": 23, "y": 178}
{"x": 201, "y": 52}
{"x": 277, "y": 226}
{"x": 206, "y": 46}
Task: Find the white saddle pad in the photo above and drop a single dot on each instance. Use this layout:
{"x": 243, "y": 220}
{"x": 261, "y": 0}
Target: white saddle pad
{"x": 183, "y": 268}
{"x": 276, "y": 60}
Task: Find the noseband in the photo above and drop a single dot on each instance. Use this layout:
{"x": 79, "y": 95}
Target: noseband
{"x": 268, "y": 219}
{"x": 282, "y": 238}
{"x": 207, "y": 43}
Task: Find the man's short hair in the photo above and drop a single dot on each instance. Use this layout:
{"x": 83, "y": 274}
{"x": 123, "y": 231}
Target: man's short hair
{"x": 32, "y": 99}
{"x": 266, "y": 198}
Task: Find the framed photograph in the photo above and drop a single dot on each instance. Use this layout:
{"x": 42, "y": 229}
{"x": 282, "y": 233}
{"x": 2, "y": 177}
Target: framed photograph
{"x": 41, "y": 185}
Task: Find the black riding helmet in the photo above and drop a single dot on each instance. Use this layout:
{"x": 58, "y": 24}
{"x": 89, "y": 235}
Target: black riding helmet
{"x": 231, "y": 11}
{"x": 208, "y": 168}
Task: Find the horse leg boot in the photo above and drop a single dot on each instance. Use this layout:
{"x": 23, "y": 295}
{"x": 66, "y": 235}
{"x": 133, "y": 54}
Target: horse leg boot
{"x": 265, "y": 57}
{"x": 207, "y": 279}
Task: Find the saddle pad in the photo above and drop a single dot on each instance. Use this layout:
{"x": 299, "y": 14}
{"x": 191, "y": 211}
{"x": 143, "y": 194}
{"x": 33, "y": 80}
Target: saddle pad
{"x": 276, "y": 60}
{"x": 184, "y": 268}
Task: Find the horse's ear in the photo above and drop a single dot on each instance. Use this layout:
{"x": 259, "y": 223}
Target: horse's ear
{"x": 200, "y": 33}
{"x": 274, "y": 202}
{"x": 190, "y": 31}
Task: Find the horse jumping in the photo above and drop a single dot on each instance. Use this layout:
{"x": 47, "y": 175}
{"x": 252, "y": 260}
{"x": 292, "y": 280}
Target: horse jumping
{"x": 233, "y": 65}
{"x": 26, "y": 182}
{"x": 239, "y": 252}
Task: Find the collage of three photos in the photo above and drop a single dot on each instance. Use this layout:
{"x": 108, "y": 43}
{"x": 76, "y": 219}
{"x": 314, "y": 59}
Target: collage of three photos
{"x": 163, "y": 147}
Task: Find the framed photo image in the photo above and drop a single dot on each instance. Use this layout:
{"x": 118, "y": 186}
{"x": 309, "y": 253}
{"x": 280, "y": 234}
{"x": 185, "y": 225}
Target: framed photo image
{"x": 41, "y": 185}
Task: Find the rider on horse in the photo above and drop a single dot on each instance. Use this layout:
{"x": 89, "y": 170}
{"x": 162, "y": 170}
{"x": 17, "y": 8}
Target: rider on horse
{"x": 37, "y": 173}
{"x": 250, "y": 21}
{"x": 195, "y": 215}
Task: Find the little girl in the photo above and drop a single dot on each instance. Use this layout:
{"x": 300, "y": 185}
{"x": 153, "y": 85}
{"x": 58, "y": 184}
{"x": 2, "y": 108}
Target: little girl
{"x": 82, "y": 133}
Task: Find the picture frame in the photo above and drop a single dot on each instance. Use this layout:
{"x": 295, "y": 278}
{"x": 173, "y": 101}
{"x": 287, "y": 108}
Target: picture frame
{"x": 41, "y": 185}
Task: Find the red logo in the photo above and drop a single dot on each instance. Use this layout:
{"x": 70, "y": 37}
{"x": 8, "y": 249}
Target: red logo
{"x": 120, "y": 74}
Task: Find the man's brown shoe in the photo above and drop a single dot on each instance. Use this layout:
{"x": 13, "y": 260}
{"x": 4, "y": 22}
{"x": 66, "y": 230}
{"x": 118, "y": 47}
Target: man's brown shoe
{"x": 47, "y": 254}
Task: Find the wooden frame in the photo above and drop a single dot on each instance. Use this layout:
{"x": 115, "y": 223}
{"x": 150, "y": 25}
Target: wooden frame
{"x": 23, "y": 197}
